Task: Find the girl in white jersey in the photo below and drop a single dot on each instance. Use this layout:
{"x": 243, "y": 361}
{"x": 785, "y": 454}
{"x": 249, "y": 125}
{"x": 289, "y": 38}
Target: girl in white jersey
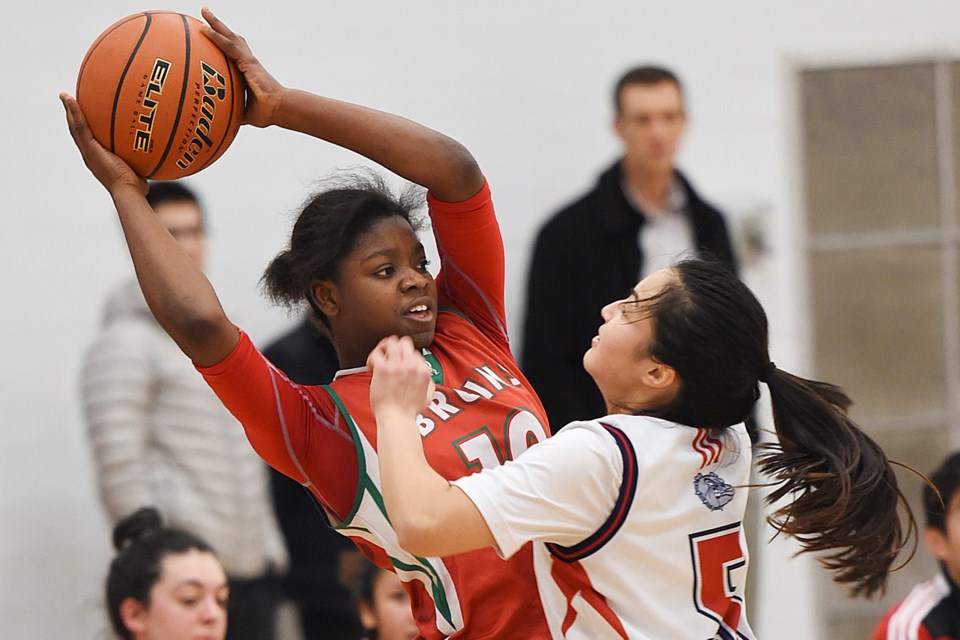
{"x": 638, "y": 515}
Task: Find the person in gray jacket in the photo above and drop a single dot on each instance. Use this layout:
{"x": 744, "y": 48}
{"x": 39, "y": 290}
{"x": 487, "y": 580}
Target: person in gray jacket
{"x": 161, "y": 438}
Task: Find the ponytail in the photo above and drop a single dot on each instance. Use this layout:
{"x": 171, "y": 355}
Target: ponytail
{"x": 841, "y": 489}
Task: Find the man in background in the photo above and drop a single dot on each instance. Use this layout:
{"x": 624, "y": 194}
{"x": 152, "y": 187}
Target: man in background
{"x": 318, "y": 554}
{"x": 642, "y": 215}
{"x": 162, "y": 439}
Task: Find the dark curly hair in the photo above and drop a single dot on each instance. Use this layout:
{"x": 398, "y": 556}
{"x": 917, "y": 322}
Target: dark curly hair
{"x": 327, "y": 229}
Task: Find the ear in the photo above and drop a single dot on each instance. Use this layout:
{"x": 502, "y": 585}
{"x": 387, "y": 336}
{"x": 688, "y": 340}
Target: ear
{"x": 658, "y": 375}
{"x": 368, "y": 619}
{"x": 617, "y": 125}
{"x": 326, "y": 296}
{"x": 936, "y": 542}
{"x": 134, "y": 615}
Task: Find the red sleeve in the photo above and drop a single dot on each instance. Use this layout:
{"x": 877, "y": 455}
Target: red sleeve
{"x": 882, "y": 631}
{"x": 293, "y": 428}
{"x": 471, "y": 260}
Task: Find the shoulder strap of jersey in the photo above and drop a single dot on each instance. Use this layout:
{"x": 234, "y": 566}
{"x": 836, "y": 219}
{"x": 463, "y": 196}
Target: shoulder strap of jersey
{"x": 628, "y": 488}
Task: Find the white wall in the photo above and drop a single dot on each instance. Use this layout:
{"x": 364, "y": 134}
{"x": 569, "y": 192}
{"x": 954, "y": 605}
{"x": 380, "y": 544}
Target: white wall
{"x": 524, "y": 84}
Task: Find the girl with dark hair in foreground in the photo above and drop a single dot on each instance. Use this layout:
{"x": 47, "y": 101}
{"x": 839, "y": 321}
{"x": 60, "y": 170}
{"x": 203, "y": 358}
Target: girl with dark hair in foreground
{"x": 164, "y": 583}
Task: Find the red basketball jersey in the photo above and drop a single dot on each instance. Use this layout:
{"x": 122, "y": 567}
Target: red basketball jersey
{"x": 483, "y": 413}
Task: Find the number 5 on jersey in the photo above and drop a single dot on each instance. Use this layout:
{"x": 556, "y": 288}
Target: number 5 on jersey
{"x": 718, "y": 582}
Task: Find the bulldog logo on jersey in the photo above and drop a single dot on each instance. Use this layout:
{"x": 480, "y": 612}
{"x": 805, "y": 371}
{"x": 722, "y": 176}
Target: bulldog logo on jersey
{"x": 713, "y": 492}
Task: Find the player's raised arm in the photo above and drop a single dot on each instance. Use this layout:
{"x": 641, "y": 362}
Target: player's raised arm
{"x": 178, "y": 293}
{"x": 410, "y": 150}
{"x": 429, "y": 515}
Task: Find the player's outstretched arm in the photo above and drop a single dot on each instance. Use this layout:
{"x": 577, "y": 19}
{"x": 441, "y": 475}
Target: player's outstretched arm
{"x": 430, "y": 516}
{"x": 410, "y": 150}
{"x": 178, "y": 293}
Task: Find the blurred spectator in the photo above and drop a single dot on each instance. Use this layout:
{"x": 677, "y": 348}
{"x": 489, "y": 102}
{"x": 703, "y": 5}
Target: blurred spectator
{"x": 383, "y": 603}
{"x": 641, "y": 216}
{"x": 313, "y": 584}
{"x": 932, "y": 609}
{"x": 162, "y": 438}
{"x": 164, "y": 583}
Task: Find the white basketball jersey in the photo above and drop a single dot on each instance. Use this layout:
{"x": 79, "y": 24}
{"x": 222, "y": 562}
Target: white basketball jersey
{"x": 638, "y": 522}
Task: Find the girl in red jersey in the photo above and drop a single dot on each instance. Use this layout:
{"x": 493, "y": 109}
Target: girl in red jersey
{"x": 354, "y": 257}
{"x": 637, "y": 516}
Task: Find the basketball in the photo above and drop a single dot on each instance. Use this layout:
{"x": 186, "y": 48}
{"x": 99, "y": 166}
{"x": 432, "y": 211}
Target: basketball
{"x": 160, "y": 94}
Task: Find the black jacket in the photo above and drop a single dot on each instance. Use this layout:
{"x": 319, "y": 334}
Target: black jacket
{"x": 585, "y": 257}
{"x": 313, "y": 583}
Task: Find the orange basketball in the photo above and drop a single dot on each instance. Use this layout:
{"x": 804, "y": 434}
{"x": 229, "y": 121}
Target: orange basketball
{"x": 160, "y": 94}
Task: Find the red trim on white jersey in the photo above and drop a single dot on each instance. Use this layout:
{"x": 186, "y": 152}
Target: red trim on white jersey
{"x": 709, "y": 447}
